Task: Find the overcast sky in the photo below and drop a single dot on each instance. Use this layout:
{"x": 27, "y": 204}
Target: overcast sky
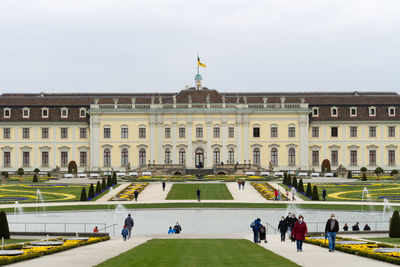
{"x": 151, "y": 46}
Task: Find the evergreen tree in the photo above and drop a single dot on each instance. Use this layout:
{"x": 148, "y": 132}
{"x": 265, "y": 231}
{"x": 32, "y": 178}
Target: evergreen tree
{"x": 364, "y": 177}
{"x": 300, "y": 187}
{"x": 114, "y": 179}
{"x": 285, "y": 178}
{"x": 103, "y": 184}
{"x": 308, "y": 190}
{"x": 349, "y": 174}
{"x": 394, "y": 230}
{"x": 294, "y": 183}
{"x": 83, "y": 194}
{"x": 315, "y": 195}
{"x": 91, "y": 191}
{"x": 4, "y": 230}
{"x": 98, "y": 187}
{"x": 289, "y": 181}
{"x": 35, "y": 179}
{"x": 109, "y": 182}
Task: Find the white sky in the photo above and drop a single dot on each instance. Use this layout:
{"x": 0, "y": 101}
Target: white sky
{"x": 151, "y": 46}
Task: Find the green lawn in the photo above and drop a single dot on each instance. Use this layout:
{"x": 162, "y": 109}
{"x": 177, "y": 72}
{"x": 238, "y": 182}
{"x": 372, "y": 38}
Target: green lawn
{"x": 198, "y": 252}
{"x": 385, "y": 239}
{"x": 15, "y": 241}
{"x": 208, "y": 191}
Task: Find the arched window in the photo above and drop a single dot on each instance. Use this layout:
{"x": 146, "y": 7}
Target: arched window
{"x": 142, "y": 156}
{"x": 274, "y": 156}
{"x": 256, "y": 156}
{"x": 124, "y": 157}
{"x": 216, "y": 156}
{"x": 107, "y": 157}
{"x": 292, "y": 156}
{"x": 167, "y": 156}
{"x": 82, "y": 113}
{"x": 182, "y": 156}
{"x": 231, "y": 156}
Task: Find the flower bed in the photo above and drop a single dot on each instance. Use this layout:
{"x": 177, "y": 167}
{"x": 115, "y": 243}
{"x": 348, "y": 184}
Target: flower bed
{"x": 127, "y": 194}
{"x": 267, "y": 190}
{"x": 365, "y": 250}
{"x": 31, "y": 252}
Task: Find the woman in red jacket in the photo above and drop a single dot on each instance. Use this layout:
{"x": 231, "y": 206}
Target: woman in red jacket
{"x": 300, "y": 232}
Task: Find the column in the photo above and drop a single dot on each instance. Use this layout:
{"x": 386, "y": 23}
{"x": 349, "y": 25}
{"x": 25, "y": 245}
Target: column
{"x": 95, "y": 152}
{"x": 303, "y": 145}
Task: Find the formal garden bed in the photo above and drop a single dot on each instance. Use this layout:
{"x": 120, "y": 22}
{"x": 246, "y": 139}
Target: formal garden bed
{"x": 183, "y": 178}
{"x": 127, "y": 194}
{"x": 267, "y": 191}
{"x": 209, "y": 191}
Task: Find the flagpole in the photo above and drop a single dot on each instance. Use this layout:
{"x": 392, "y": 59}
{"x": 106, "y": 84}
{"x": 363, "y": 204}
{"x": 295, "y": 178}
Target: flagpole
{"x": 198, "y": 71}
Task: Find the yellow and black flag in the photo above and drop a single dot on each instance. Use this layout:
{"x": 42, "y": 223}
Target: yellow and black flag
{"x": 199, "y": 63}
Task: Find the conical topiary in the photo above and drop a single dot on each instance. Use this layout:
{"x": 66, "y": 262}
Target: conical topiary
{"x": 294, "y": 182}
{"x": 91, "y": 191}
{"x": 300, "y": 187}
{"x": 308, "y": 190}
{"x": 364, "y": 177}
{"x": 109, "y": 182}
{"x": 103, "y": 184}
{"x": 349, "y": 174}
{"x": 289, "y": 181}
{"x": 394, "y": 230}
{"x": 83, "y": 194}
{"x": 4, "y": 230}
{"x": 315, "y": 195}
{"x": 35, "y": 179}
{"x": 114, "y": 179}
{"x": 285, "y": 178}
{"x": 98, "y": 187}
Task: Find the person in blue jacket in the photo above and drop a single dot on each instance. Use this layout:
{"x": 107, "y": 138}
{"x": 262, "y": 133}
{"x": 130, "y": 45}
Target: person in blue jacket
{"x": 171, "y": 231}
{"x": 124, "y": 232}
{"x": 256, "y": 228}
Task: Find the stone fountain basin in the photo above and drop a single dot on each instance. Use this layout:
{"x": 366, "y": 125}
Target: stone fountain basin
{"x": 76, "y": 238}
{"x": 11, "y": 252}
{"x": 350, "y": 242}
{"x": 47, "y": 243}
{"x": 387, "y": 250}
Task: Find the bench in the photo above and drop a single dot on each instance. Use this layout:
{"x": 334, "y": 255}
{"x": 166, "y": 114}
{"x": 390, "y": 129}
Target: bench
{"x": 314, "y": 174}
{"x": 250, "y": 173}
{"x": 279, "y": 174}
{"x": 121, "y": 174}
{"x": 291, "y": 172}
{"x": 68, "y": 175}
{"x": 133, "y": 174}
{"x": 303, "y": 174}
{"x": 107, "y": 173}
{"x": 81, "y": 175}
{"x": 42, "y": 173}
{"x": 329, "y": 174}
{"x": 146, "y": 173}
{"x": 264, "y": 173}
{"x": 94, "y": 175}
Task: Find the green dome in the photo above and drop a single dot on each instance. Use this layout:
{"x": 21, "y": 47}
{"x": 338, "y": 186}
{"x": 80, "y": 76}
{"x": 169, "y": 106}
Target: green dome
{"x": 198, "y": 77}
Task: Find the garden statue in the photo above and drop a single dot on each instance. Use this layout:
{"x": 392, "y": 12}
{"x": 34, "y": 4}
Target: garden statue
{"x": 342, "y": 171}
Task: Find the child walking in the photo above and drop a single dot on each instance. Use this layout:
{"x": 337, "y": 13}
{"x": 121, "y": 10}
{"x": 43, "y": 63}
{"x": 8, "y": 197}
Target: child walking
{"x": 124, "y": 232}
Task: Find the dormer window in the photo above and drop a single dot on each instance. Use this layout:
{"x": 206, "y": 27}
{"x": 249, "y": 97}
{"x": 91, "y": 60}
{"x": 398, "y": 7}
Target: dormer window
{"x": 45, "y": 112}
{"x": 372, "y": 111}
{"x": 391, "y": 111}
{"x": 7, "y": 112}
{"x": 82, "y": 113}
{"x": 353, "y": 112}
{"x": 26, "y": 113}
{"x": 64, "y": 113}
{"x": 315, "y": 112}
{"x": 334, "y": 111}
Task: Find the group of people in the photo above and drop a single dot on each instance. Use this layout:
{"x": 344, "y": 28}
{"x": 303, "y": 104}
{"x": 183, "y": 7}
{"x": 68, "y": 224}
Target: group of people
{"x": 278, "y": 195}
{"x": 127, "y": 230}
{"x": 356, "y": 227}
{"x": 176, "y": 230}
{"x": 241, "y": 184}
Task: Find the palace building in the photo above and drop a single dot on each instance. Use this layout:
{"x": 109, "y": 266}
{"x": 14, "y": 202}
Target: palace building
{"x": 199, "y": 127}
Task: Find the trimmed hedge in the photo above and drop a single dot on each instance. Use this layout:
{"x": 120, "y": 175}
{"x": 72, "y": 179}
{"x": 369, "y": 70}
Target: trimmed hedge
{"x": 83, "y": 194}
{"x": 300, "y": 187}
{"x": 4, "y": 230}
{"x": 308, "y": 190}
{"x": 394, "y": 230}
{"x": 315, "y": 195}
{"x": 91, "y": 191}
{"x": 294, "y": 183}
{"x": 35, "y": 179}
{"x": 103, "y": 184}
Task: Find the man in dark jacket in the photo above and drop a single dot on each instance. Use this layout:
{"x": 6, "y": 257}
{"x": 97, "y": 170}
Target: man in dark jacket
{"x": 135, "y": 194}
{"x": 324, "y": 194}
{"x": 367, "y": 228}
{"x": 331, "y": 228}
{"x": 177, "y": 228}
{"x": 129, "y": 224}
{"x": 356, "y": 227}
{"x": 283, "y": 227}
{"x": 163, "y": 186}
{"x": 198, "y": 194}
{"x": 256, "y": 228}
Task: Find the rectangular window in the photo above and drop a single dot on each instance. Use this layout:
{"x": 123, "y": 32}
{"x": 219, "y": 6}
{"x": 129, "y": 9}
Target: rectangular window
{"x": 124, "y": 132}
{"x": 315, "y": 157}
{"x": 274, "y": 132}
{"x": 6, "y": 133}
{"x": 83, "y": 133}
{"x": 7, "y": 159}
{"x": 315, "y": 132}
{"x": 372, "y": 157}
{"x": 45, "y": 133}
{"x": 216, "y": 132}
{"x": 107, "y": 132}
{"x": 372, "y": 131}
{"x": 64, "y": 158}
{"x": 231, "y": 132}
{"x": 167, "y": 133}
{"x": 83, "y": 158}
{"x": 353, "y": 131}
{"x": 25, "y": 133}
{"x": 334, "y": 131}
{"x": 391, "y": 157}
{"x": 45, "y": 158}
{"x": 25, "y": 159}
{"x": 292, "y": 132}
{"x": 199, "y": 132}
{"x": 64, "y": 133}
{"x": 334, "y": 157}
{"x": 182, "y": 132}
{"x": 392, "y": 131}
{"x": 353, "y": 157}
{"x": 256, "y": 131}
{"x": 142, "y": 132}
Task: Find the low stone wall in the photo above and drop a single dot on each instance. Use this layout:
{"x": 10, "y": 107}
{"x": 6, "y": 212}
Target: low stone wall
{"x": 59, "y": 234}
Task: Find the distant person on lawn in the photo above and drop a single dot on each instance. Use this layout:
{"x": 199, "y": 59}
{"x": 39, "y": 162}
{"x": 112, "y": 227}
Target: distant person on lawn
{"x": 129, "y": 225}
{"x": 331, "y": 229}
{"x": 124, "y": 232}
{"x": 163, "y": 186}
{"x": 356, "y": 227}
{"x": 276, "y": 194}
{"x": 239, "y": 183}
{"x": 95, "y": 230}
{"x": 324, "y": 194}
{"x": 198, "y": 194}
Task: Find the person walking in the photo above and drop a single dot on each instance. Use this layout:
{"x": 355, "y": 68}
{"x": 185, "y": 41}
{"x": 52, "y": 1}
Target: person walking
{"x": 136, "y": 194}
{"x": 124, "y": 232}
{"x": 243, "y": 182}
{"x": 331, "y": 229}
{"x": 163, "y": 186}
{"x": 283, "y": 227}
{"x": 300, "y": 232}
{"x": 129, "y": 225}
{"x": 324, "y": 194}
{"x": 239, "y": 183}
{"x": 293, "y": 221}
{"x": 177, "y": 228}
{"x": 198, "y": 194}
{"x": 256, "y": 228}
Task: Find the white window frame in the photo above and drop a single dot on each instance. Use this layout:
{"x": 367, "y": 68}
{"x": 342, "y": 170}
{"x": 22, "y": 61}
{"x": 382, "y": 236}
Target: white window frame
{"x": 389, "y": 111}
{"x": 351, "y": 111}
{"x": 316, "y": 111}
{"x": 80, "y": 115}
{"x": 371, "y": 110}
{"x": 64, "y": 116}
{"x": 9, "y": 113}
{"x": 23, "y": 112}
{"x": 337, "y": 111}
{"x": 45, "y": 116}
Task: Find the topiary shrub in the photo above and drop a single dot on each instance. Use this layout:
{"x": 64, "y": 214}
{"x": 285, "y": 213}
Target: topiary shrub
{"x": 103, "y": 184}
{"x": 308, "y": 190}
{"x": 363, "y": 169}
{"x": 4, "y": 230}
{"x": 83, "y": 194}
{"x": 109, "y": 181}
{"x": 378, "y": 171}
{"x": 294, "y": 183}
{"x": 394, "y": 230}
{"x": 20, "y": 171}
{"x": 5, "y": 174}
{"x": 315, "y": 195}
{"x": 326, "y": 165}
{"x": 91, "y": 191}
{"x": 35, "y": 179}
{"x": 36, "y": 170}
{"x": 72, "y": 167}
{"x": 300, "y": 187}
{"x": 98, "y": 188}
{"x": 48, "y": 174}
{"x": 349, "y": 174}
{"x": 394, "y": 172}
{"x": 284, "y": 181}
{"x": 364, "y": 177}
{"x": 289, "y": 181}
{"x": 285, "y": 177}
{"x": 114, "y": 179}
